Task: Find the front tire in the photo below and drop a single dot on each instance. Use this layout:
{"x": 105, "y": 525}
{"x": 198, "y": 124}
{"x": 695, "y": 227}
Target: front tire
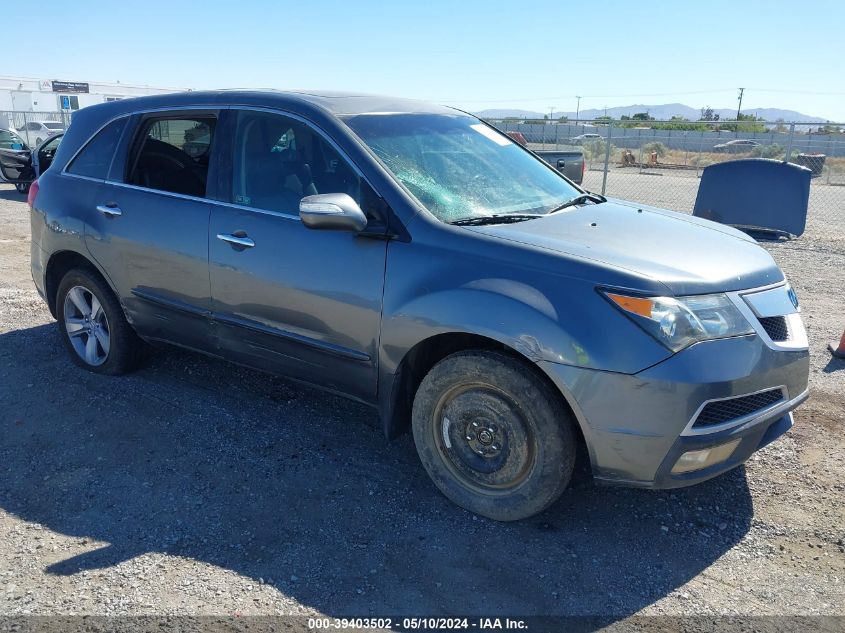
{"x": 92, "y": 325}
{"x": 494, "y": 437}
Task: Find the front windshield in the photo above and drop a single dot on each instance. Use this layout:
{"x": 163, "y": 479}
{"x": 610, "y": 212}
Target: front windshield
{"x": 459, "y": 168}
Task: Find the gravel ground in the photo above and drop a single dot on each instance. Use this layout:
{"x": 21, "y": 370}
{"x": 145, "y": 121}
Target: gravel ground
{"x": 196, "y": 487}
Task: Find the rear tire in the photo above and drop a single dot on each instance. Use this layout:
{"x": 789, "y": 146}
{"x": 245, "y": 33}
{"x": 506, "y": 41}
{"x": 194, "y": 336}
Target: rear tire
{"x": 92, "y": 325}
{"x": 22, "y": 187}
{"x": 494, "y": 437}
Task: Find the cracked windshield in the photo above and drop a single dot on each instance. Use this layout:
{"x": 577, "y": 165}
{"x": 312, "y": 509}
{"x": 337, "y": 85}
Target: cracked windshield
{"x": 459, "y": 168}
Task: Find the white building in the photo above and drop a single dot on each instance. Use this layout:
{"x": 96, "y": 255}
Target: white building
{"x": 29, "y": 94}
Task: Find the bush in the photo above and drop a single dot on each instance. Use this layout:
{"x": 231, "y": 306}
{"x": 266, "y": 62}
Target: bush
{"x": 595, "y": 150}
{"x": 700, "y": 161}
{"x": 775, "y": 150}
{"x": 655, "y": 146}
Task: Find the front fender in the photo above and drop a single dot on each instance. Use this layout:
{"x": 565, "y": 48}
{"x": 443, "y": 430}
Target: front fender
{"x": 519, "y": 316}
{"x": 509, "y": 312}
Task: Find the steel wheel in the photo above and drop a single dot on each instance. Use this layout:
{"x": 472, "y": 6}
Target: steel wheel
{"x": 87, "y": 326}
{"x": 484, "y": 439}
{"x": 493, "y": 435}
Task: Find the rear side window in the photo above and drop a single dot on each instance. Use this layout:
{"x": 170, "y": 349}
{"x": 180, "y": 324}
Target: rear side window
{"x": 172, "y": 154}
{"x": 95, "y": 158}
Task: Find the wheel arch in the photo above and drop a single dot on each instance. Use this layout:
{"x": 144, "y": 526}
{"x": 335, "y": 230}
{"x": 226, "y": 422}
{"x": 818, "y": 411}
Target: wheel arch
{"x": 398, "y": 397}
{"x": 57, "y": 267}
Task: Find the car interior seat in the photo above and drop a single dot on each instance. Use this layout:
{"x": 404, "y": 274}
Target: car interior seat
{"x": 271, "y": 180}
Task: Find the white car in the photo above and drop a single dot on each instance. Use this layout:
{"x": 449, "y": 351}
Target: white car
{"x": 585, "y": 138}
{"x": 36, "y": 132}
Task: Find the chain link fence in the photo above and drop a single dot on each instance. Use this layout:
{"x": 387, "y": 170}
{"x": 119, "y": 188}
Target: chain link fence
{"x": 34, "y": 127}
{"x": 653, "y": 162}
{"x": 656, "y": 163}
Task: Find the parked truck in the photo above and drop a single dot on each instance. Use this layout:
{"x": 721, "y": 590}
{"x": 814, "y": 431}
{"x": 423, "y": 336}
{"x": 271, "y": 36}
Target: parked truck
{"x": 569, "y": 162}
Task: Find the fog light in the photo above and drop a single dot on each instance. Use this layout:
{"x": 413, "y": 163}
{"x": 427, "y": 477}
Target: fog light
{"x": 696, "y": 460}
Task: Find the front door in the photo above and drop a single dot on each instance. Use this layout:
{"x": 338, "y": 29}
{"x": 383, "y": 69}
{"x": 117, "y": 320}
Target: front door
{"x": 293, "y": 300}
{"x": 43, "y": 156}
{"x": 15, "y": 158}
{"x": 150, "y": 228}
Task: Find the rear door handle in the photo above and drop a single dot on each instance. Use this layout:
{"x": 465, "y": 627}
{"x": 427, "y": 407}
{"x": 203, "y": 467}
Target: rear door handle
{"x": 111, "y": 210}
{"x": 242, "y": 241}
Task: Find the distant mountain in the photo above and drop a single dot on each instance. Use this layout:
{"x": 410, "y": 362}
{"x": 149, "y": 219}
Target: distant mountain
{"x": 498, "y": 113}
{"x": 665, "y": 111}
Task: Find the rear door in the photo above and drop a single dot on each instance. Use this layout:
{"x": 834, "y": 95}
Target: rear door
{"x": 15, "y": 158}
{"x": 150, "y": 229}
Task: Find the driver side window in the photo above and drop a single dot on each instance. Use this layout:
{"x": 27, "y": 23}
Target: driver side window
{"x": 279, "y": 160}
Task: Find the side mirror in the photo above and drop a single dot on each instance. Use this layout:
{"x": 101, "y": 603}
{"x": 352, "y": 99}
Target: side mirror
{"x": 333, "y": 211}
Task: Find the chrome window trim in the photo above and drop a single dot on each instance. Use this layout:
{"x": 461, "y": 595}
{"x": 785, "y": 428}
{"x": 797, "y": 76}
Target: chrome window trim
{"x": 114, "y": 183}
{"x": 128, "y": 115}
{"x": 80, "y": 176}
{"x": 171, "y": 194}
{"x": 183, "y": 108}
{"x": 746, "y": 420}
{"x": 279, "y": 214}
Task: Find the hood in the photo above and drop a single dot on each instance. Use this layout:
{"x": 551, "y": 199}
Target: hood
{"x": 687, "y": 254}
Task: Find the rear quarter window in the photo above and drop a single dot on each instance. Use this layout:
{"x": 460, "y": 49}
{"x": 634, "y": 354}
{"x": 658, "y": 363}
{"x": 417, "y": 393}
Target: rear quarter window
{"x": 94, "y": 159}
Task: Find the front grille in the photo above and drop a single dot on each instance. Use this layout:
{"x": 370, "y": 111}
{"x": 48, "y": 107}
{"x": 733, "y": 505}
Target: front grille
{"x": 775, "y": 327}
{"x": 722, "y": 411}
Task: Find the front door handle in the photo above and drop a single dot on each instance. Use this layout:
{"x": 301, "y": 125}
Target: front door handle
{"x": 109, "y": 210}
{"x": 236, "y": 240}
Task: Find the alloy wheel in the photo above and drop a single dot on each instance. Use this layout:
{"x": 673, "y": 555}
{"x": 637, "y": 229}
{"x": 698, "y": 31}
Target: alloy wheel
{"x": 86, "y": 325}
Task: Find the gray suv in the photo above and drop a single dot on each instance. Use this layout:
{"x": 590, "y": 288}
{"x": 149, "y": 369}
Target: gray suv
{"x": 413, "y": 258}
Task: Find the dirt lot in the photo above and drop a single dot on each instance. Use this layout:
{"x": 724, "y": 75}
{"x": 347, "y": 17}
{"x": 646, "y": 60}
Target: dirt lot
{"x": 197, "y": 487}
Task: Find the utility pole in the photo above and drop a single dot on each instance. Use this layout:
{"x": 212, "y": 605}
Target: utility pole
{"x": 577, "y": 110}
{"x": 551, "y": 113}
{"x": 739, "y": 107}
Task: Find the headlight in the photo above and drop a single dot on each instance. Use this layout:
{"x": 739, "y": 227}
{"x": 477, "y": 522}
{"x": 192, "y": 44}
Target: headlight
{"x": 680, "y": 322}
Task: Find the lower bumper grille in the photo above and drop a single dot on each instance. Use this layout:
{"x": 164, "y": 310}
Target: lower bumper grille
{"x": 721, "y": 411}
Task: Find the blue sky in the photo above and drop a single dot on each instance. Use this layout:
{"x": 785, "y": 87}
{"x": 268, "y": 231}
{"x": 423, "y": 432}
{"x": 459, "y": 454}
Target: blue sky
{"x": 471, "y": 54}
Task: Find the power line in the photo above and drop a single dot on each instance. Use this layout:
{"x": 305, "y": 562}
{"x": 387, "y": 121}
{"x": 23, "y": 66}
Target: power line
{"x": 799, "y": 92}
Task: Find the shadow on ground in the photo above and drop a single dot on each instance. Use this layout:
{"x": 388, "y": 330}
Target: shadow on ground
{"x": 197, "y": 458}
{"x": 12, "y": 194}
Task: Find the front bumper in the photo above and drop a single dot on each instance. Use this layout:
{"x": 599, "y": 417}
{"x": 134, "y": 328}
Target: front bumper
{"x": 637, "y": 426}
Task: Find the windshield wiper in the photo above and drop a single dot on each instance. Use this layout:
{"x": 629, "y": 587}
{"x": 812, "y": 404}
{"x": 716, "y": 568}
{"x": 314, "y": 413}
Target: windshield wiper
{"x": 504, "y": 218}
{"x": 584, "y": 197}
